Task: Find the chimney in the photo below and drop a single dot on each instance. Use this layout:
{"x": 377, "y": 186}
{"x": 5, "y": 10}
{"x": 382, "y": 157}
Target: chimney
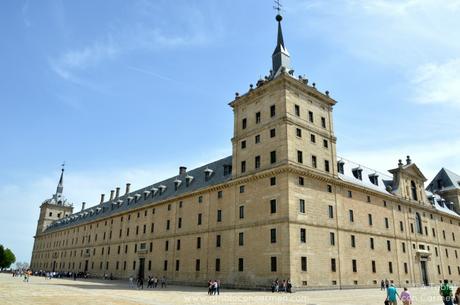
{"x": 111, "y": 194}
{"x": 408, "y": 160}
{"x": 102, "y": 199}
{"x": 117, "y": 192}
{"x": 182, "y": 170}
{"x": 83, "y": 205}
{"x": 127, "y": 188}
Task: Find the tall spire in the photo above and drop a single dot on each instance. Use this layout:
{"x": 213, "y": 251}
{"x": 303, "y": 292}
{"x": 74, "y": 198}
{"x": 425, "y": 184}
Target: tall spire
{"x": 60, "y": 186}
{"x": 280, "y": 57}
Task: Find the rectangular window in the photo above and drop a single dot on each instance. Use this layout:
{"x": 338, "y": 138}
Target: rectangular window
{"x": 167, "y": 245}
{"x": 257, "y": 117}
{"x": 387, "y": 223}
{"x": 241, "y": 239}
{"x": 179, "y": 223}
{"x": 219, "y": 215}
{"x": 390, "y": 267}
{"x": 273, "y": 236}
{"x": 272, "y": 133}
{"x": 371, "y": 242}
{"x": 257, "y": 162}
{"x": 333, "y": 265}
{"x": 332, "y": 238}
{"x": 313, "y": 138}
{"x": 272, "y": 181}
{"x": 165, "y": 265}
{"x": 241, "y": 211}
{"x": 218, "y": 241}
{"x": 273, "y": 206}
{"x": 303, "y": 263}
{"x": 243, "y": 144}
{"x": 244, "y": 123}
{"x": 331, "y": 211}
{"x": 301, "y": 181}
{"x": 310, "y": 116}
{"x": 325, "y": 143}
{"x": 354, "y": 265}
{"x": 168, "y": 224}
{"x": 199, "y": 218}
{"x": 241, "y": 189}
{"x": 302, "y": 205}
{"x": 403, "y": 247}
{"x": 217, "y": 264}
{"x": 313, "y": 161}
{"x": 369, "y": 216}
{"x": 177, "y": 264}
{"x": 273, "y": 157}
{"x": 243, "y": 166}
{"x": 257, "y": 139}
{"x": 298, "y": 132}
{"x": 197, "y": 265}
{"x": 303, "y": 235}
{"x": 297, "y": 110}
{"x": 240, "y": 264}
{"x": 351, "y": 216}
{"x": 178, "y": 245}
{"x": 401, "y": 226}
{"x": 323, "y": 122}
{"x": 272, "y": 110}
{"x": 198, "y": 242}
{"x": 273, "y": 264}
{"x": 388, "y": 245}
{"x": 353, "y": 241}
{"x": 299, "y": 156}
{"x": 326, "y": 166}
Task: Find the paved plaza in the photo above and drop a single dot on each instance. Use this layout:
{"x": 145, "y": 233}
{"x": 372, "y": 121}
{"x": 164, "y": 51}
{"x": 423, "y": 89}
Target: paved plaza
{"x": 88, "y": 292}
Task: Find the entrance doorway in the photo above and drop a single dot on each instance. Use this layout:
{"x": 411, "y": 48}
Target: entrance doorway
{"x": 140, "y": 274}
{"x": 424, "y": 272}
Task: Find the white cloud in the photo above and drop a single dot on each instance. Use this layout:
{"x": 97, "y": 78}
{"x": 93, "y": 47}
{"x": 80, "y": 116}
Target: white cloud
{"x": 438, "y": 83}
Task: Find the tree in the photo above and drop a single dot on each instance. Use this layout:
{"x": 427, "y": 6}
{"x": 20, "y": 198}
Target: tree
{"x": 22, "y": 265}
{"x": 6, "y": 257}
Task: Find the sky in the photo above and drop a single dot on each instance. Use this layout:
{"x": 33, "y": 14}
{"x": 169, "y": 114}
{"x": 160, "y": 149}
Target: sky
{"x": 128, "y": 91}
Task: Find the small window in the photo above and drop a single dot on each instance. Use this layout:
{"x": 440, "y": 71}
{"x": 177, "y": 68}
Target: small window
{"x": 354, "y": 265}
{"x": 351, "y": 216}
{"x": 241, "y": 211}
{"x": 353, "y": 241}
{"x": 272, "y": 181}
{"x": 301, "y": 181}
{"x": 257, "y": 117}
{"x": 243, "y": 144}
{"x": 272, "y": 133}
{"x": 241, "y": 189}
{"x": 218, "y": 241}
{"x": 273, "y": 157}
{"x": 303, "y": 263}
{"x": 257, "y": 162}
{"x": 298, "y": 132}
{"x": 299, "y": 156}
{"x": 329, "y": 188}
{"x": 217, "y": 264}
{"x": 199, "y": 218}
{"x": 219, "y": 194}
{"x": 273, "y": 264}
{"x": 273, "y": 206}
{"x": 219, "y": 215}
{"x": 332, "y": 238}
{"x": 301, "y": 205}
{"x": 350, "y": 194}
{"x": 303, "y": 235}
{"x": 244, "y": 123}
{"x": 340, "y": 167}
{"x": 240, "y": 264}
{"x": 326, "y": 166}
{"x": 310, "y": 116}
{"x": 314, "y": 162}
{"x": 272, "y": 110}
{"x": 257, "y": 139}
{"x": 297, "y": 110}
{"x": 313, "y": 138}
{"x": 243, "y": 166}
{"x": 325, "y": 143}
{"x": 200, "y": 199}
{"x": 331, "y": 211}
{"x": 333, "y": 265}
{"x": 272, "y": 236}
{"x": 323, "y": 122}
{"x": 241, "y": 239}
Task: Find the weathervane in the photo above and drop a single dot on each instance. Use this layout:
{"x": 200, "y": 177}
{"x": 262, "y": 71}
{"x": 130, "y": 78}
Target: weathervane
{"x": 63, "y": 165}
{"x": 277, "y": 6}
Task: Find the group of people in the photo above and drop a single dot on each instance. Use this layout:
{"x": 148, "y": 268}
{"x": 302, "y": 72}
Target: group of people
{"x": 213, "y": 287}
{"x": 152, "y": 282}
{"x": 445, "y": 290}
{"x": 282, "y": 286}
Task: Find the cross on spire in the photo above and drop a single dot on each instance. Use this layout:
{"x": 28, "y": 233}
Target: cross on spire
{"x": 277, "y": 6}
{"x": 280, "y": 56}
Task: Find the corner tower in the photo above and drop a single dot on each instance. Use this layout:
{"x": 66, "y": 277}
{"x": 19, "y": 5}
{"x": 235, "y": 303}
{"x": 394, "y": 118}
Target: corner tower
{"x": 283, "y": 120}
{"x": 54, "y": 208}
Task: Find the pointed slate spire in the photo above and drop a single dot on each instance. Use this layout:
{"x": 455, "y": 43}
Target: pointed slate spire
{"x": 280, "y": 57}
{"x": 60, "y": 186}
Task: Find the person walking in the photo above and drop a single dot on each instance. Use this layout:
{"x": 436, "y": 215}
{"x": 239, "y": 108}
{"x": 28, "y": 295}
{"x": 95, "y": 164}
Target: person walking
{"x": 163, "y": 282}
{"x": 218, "y": 287}
{"x": 382, "y": 285}
{"x": 406, "y": 297}
{"x": 392, "y": 294}
{"x": 457, "y": 296}
{"x": 446, "y": 293}
{"x": 131, "y": 282}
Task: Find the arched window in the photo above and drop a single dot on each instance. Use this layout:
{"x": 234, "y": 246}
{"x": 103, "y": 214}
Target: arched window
{"x": 418, "y": 223}
{"x": 413, "y": 189}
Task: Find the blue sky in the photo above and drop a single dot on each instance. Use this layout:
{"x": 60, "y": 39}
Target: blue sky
{"x": 127, "y": 91}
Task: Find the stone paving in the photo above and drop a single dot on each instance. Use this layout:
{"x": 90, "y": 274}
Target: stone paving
{"x": 41, "y": 291}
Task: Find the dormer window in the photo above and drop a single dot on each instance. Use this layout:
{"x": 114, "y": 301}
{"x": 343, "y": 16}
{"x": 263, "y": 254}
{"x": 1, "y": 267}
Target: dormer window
{"x": 358, "y": 173}
{"x": 208, "y": 173}
{"x": 137, "y": 196}
{"x": 162, "y": 188}
{"x": 374, "y": 178}
{"x": 188, "y": 180}
{"x": 154, "y": 191}
{"x": 177, "y": 183}
{"x": 340, "y": 167}
{"x": 146, "y": 194}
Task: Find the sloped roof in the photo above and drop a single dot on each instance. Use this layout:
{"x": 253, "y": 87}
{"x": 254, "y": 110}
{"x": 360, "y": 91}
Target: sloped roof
{"x": 137, "y": 198}
{"x": 444, "y": 180}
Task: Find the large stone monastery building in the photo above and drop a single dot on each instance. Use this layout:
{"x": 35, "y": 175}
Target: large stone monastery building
{"x": 283, "y": 205}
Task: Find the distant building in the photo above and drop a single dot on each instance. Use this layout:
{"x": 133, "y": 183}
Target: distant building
{"x": 282, "y": 206}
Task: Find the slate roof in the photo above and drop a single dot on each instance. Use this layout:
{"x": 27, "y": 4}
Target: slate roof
{"x": 444, "y": 180}
{"x": 154, "y": 193}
